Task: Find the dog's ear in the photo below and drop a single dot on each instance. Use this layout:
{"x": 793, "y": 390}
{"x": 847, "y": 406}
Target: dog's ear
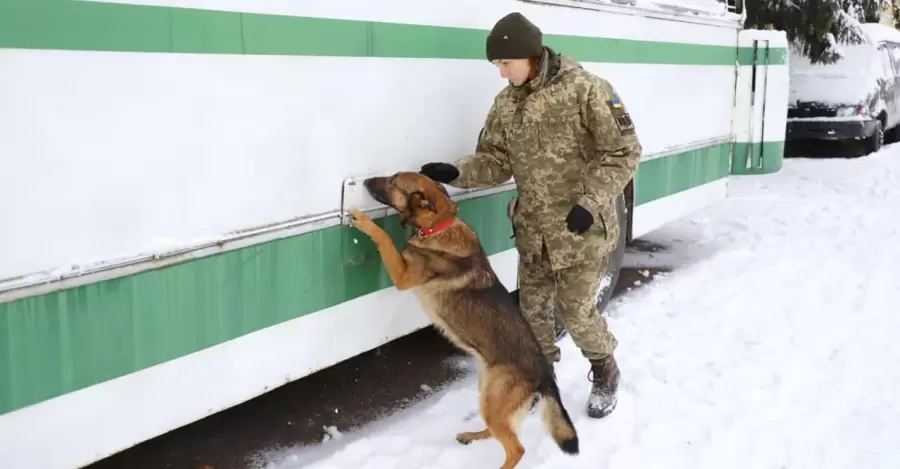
{"x": 419, "y": 199}
{"x": 441, "y": 198}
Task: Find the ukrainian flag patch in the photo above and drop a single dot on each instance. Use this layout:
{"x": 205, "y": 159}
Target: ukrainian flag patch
{"x": 620, "y": 116}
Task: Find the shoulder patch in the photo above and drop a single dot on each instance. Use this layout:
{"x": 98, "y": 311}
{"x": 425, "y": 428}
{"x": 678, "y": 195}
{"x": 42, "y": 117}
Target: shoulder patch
{"x": 626, "y": 125}
{"x": 621, "y": 116}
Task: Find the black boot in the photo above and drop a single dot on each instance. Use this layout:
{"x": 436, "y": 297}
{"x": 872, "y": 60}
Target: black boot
{"x": 603, "y": 398}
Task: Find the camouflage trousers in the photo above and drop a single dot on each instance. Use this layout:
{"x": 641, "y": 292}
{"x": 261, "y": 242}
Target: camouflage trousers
{"x": 574, "y": 291}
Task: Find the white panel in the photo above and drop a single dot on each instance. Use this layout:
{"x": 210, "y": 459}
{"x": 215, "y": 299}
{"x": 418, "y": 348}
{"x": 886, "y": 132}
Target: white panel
{"x": 774, "y": 90}
{"x": 111, "y": 154}
{"x": 655, "y": 214}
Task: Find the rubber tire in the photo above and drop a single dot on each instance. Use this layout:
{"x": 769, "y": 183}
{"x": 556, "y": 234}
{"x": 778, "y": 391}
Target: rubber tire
{"x": 611, "y": 275}
{"x": 614, "y": 266}
{"x": 892, "y": 135}
{"x": 876, "y": 141}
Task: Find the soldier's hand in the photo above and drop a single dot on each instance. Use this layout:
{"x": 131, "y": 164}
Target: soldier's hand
{"x": 440, "y": 172}
{"x": 579, "y": 220}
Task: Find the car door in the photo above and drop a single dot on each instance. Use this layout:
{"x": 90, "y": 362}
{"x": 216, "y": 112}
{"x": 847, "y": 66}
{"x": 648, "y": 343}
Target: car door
{"x": 889, "y": 89}
{"x": 894, "y": 55}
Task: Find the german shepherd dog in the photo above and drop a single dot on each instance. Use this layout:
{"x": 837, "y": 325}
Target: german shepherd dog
{"x": 445, "y": 264}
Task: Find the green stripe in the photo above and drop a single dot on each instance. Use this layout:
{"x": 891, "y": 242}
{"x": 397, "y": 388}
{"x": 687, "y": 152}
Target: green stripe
{"x": 76, "y": 25}
{"x": 772, "y": 154}
{"x": 70, "y": 339}
{"x": 660, "y": 177}
{"x": 67, "y": 340}
{"x": 777, "y": 56}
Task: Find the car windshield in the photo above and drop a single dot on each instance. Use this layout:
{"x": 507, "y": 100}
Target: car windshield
{"x": 846, "y": 82}
{"x": 858, "y": 60}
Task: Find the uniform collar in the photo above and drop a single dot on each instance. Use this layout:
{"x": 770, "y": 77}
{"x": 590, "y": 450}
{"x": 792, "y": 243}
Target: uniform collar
{"x": 548, "y": 69}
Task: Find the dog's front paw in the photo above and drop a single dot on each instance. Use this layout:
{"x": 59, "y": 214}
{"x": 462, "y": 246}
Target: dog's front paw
{"x": 361, "y": 221}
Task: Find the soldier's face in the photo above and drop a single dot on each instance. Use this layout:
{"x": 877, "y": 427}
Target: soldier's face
{"x": 514, "y": 70}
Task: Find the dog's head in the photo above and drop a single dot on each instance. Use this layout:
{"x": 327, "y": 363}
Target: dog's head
{"x": 421, "y": 201}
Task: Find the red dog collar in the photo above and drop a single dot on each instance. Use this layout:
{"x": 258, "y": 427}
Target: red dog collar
{"x": 434, "y": 229}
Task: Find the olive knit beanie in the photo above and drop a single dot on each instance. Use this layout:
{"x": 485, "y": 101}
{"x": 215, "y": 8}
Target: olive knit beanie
{"x": 514, "y": 37}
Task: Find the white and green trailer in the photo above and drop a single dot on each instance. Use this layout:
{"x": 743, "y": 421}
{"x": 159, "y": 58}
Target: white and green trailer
{"x": 172, "y": 171}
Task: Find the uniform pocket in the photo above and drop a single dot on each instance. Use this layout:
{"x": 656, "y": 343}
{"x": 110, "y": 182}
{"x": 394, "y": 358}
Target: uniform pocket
{"x": 601, "y": 223}
{"x": 606, "y": 220}
{"x": 511, "y": 211}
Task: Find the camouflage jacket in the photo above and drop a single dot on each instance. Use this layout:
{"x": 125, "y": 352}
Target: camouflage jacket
{"x": 567, "y": 138}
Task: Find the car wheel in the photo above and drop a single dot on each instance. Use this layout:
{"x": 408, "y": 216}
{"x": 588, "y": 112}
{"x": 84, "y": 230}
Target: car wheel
{"x": 876, "y": 141}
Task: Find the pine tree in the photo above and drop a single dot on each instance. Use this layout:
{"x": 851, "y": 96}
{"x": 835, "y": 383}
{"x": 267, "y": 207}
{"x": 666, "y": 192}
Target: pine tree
{"x": 816, "y": 27}
{"x": 895, "y": 13}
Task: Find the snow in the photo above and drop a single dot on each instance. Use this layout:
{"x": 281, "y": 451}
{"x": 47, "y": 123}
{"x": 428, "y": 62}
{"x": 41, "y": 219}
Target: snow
{"x": 771, "y": 345}
{"x": 701, "y": 7}
{"x": 877, "y": 32}
{"x": 157, "y": 248}
{"x": 846, "y": 81}
{"x": 850, "y": 79}
{"x": 709, "y": 7}
{"x": 290, "y": 7}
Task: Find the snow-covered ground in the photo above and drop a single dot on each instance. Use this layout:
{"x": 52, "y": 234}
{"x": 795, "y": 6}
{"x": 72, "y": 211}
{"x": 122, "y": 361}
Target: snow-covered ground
{"x": 773, "y": 345}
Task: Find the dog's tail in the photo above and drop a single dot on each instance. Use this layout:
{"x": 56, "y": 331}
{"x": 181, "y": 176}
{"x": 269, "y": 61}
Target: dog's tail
{"x": 555, "y": 417}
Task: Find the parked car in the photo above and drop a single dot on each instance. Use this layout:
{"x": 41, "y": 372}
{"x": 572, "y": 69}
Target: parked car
{"x": 855, "y": 98}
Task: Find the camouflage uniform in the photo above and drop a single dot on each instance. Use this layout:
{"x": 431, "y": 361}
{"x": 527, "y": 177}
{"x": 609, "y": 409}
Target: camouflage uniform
{"x": 558, "y": 135}
{"x": 568, "y": 140}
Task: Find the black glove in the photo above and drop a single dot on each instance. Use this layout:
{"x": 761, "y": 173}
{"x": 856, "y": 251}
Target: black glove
{"x": 440, "y": 172}
{"x": 579, "y": 220}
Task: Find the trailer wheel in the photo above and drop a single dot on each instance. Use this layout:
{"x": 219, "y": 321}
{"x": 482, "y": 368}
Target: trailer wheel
{"x": 610, "y": 276}
{"x": 614, "y": 266}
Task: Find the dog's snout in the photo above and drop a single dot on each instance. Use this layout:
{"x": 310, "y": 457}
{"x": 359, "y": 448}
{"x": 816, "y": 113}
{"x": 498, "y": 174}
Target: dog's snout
{"x": 376, "y": 188}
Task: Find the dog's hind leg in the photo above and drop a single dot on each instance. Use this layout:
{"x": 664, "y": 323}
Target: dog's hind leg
{"x": 468, "y": 437}
{"x": 506, "y": 401}
{"x": 506, "y": 435}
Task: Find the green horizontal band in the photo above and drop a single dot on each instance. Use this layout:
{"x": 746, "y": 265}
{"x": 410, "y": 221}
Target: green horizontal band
{"x": 78, "y": 25}
{"x": 66, "y": 340}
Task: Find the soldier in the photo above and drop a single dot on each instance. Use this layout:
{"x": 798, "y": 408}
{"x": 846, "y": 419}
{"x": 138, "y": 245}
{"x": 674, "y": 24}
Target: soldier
{"x": 567, "y": 138}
